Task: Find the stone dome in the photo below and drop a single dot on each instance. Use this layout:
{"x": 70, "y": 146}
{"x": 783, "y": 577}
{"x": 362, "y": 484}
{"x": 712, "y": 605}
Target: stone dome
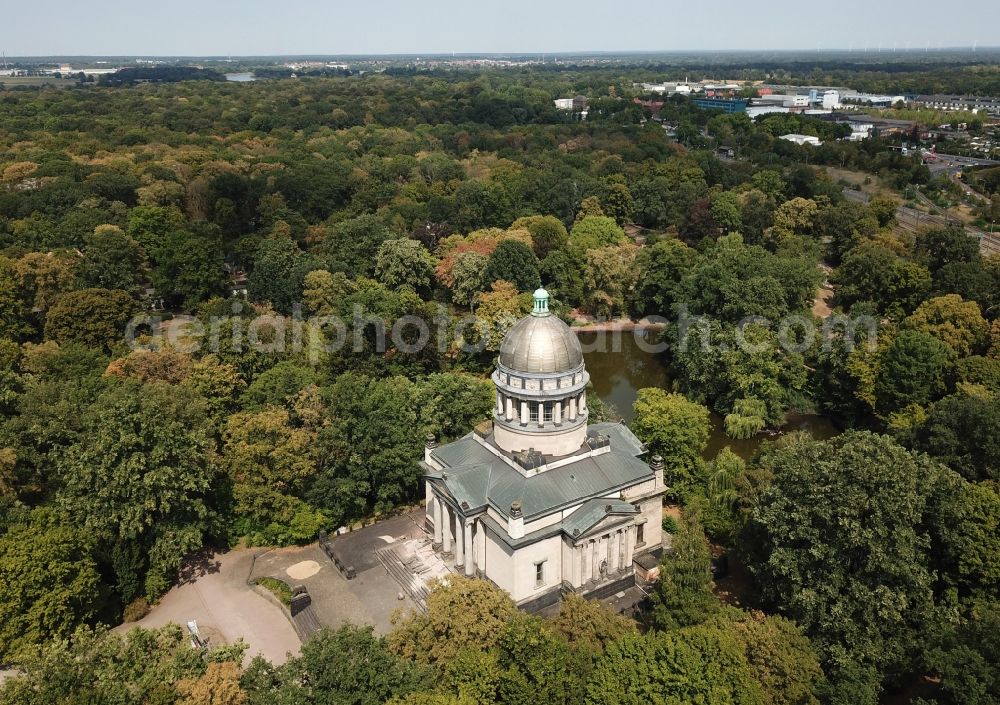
{"x": 540, "y": 342}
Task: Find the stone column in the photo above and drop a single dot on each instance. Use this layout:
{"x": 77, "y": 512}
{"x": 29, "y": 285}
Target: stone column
{"x": 524, "y": 413}
{"x": 499, "y": 403}
{"x": 480, "y": 548}
{"x": 470, "y": 568}
{"x": 583, "y": 401}
{"x": 629, "y": 546}
{"x": 614, "y": 552}
{"x": 557, "y": 411}
{"x": 446, "y": 529}
{"x": 510, "y": 408}
{"x": 578, "y": 565}
{"x": 572, "y": 408}
{"x": 438, "y": 523}
{"x": 459, "y": 541}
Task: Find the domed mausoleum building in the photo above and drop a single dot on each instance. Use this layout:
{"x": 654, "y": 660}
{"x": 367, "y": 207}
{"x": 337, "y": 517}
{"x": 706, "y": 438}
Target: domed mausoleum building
{"x": 538, "y": 500}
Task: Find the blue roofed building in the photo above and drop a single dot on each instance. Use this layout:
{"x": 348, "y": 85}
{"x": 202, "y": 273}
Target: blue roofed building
{"x": 726, "y": 105}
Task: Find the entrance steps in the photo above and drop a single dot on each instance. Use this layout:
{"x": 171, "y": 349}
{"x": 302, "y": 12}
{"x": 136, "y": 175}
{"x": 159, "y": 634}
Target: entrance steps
{"x": 413, "y": 564}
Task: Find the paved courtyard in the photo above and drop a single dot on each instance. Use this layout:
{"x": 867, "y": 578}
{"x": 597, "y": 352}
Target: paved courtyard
{"x": 214, "y": 591}
{"x": 214, "y": 588}
{"x": 370, "y": 598}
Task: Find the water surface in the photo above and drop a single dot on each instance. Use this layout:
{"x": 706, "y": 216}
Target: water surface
{"x": 621, "y": 363}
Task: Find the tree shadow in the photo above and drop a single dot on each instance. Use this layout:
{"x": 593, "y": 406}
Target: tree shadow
{"x": 197, "y": 565}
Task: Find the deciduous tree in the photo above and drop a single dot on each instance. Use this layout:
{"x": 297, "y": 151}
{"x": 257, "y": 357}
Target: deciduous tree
{"x": 404, "y": 262}
{"x": 593, "y": 231}
{"x": 111, "y": 260}
{"x": 49, "y": 584}
{"x": 914, "y": 369}
{"x": 956, "y": 323}
{"x": 140, "y": 472}
{"x": 838, "y": 544}
{"x": 92, "y": 317}
{"x": 547, "y": 233}
{"x": 463, "y": 614}
{"x": 674, "y": 428}
{"x": 514, "y": 262}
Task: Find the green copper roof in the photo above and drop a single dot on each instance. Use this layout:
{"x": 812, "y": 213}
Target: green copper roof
{"x": 592, "y": 512}
{"x": 475, "y": 475}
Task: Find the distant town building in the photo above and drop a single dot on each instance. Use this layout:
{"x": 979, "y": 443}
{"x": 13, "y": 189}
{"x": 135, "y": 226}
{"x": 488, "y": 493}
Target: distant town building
{"x": 726, "y": 105}
{"x": 831, "y": 100}
{"x": 802, "y": 139}
{"x": 784, "y": 100}
{"x": 578, "y": 104}
{"x": 757, "y": 110}
{"x": 870, "y": 124}
{"x": 965, "y": 103}
{"x": 666, "y": 88}
{"x": 880, "y": 101}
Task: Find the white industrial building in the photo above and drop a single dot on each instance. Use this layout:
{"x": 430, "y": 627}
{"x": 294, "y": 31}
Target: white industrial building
{"x": 802, "y": 139}
{"x": 758, "y": 110}
{"x": 886, "y": 101}
{"x": 666, "y": 88}
{"x": 785, "y": 100}
{"x": 831, "y": 100}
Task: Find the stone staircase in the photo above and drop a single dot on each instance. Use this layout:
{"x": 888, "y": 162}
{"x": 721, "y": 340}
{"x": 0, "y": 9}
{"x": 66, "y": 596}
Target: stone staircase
{"x": 306, "y": 623}
{"x": 413, "y": 564}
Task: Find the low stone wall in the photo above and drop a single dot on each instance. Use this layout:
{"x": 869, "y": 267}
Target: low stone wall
{"x": 348, "y": 571}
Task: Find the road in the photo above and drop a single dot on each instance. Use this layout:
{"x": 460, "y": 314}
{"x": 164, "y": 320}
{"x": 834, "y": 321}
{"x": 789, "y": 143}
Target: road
{"x": 953, "y": 163}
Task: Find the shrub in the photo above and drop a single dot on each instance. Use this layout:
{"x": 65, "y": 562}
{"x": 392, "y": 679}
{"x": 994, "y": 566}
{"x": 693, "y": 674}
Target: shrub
{"x": 136, "y": 610}
{"x": 279, "y": 588}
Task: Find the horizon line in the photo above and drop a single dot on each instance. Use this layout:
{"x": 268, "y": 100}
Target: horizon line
{"x": 972, "y": 49}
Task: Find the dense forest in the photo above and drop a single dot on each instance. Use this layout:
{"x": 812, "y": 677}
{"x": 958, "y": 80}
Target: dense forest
{"x": 873, "y": 558}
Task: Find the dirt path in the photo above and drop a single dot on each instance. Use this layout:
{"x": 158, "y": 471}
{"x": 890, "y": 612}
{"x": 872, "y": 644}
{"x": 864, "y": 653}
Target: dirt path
{"x": 821, "y": 304}
{"x": 586, "y": 323}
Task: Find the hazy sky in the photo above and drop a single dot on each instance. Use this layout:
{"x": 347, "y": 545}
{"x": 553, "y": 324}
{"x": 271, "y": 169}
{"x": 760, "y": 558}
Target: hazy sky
{"x": 245, "y": 27}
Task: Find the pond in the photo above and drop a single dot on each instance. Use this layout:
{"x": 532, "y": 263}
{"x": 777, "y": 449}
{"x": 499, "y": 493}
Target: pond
{"x": 621, "y": 363}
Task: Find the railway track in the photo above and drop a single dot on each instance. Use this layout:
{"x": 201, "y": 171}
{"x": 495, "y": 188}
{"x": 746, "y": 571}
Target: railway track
{"x": 910, "y": 219}
{"x": 989, "y": 244}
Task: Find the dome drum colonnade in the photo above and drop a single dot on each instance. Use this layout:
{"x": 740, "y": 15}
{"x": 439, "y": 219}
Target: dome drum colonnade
{"x": 541, "y": 386}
